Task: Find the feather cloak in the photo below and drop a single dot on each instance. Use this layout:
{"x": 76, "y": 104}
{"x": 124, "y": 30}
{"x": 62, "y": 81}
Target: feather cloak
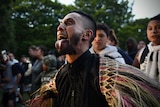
{"x": 126, "y": 86}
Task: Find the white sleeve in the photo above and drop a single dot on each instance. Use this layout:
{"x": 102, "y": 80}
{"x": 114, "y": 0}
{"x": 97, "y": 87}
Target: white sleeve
{"x": 28, "y": 72}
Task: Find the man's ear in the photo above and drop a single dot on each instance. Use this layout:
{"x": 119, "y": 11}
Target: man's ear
{"x": 87, "y": 35}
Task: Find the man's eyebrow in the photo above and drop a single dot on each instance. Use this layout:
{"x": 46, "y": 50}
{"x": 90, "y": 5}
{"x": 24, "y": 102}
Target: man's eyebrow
{"x": 61, "y": 20}
{"x": 69, "y": 19}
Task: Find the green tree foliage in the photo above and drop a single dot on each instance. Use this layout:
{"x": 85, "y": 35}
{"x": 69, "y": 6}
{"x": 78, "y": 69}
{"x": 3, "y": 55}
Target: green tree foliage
{"x": 115, "y": 13}
{"x": 135, "y": 29}
{"x": 7, "y": 37}
{"x": 35, "y": 23}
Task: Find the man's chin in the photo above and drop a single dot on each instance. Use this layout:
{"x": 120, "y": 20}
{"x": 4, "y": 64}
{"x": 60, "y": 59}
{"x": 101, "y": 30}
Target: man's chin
{"x": 69, "y": 51}
{"x": 62, "y": 52}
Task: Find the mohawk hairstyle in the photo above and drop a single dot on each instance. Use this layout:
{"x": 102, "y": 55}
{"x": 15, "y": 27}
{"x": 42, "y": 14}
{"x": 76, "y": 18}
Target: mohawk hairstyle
{"x": 92, "y": 22}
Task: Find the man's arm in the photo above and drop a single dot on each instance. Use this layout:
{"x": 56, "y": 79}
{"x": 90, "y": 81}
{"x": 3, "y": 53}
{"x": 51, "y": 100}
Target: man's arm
{"x": 28, "y": 72}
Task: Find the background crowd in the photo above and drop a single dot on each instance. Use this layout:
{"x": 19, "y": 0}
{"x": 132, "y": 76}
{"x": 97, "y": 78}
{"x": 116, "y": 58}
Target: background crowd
{"x": 27, "y": 74}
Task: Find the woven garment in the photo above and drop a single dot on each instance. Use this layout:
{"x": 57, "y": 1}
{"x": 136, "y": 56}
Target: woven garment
{"x": 44, "y": 96}
{"x": 126, "y": 86}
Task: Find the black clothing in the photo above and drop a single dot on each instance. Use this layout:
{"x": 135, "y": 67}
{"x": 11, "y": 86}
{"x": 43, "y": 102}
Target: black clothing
{"x": 126, "y": 57}
{"x": 144, "y": 54}
{"x": 27, "y": 79}
{"x": 8, "y": 96}
{"x": 17, "y": 68}
{"x": 78, "y": 83}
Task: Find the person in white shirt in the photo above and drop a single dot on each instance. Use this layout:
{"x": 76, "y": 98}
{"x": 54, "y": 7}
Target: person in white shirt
{"x": 99, "y": 44}
{"x": 148, "y": 59}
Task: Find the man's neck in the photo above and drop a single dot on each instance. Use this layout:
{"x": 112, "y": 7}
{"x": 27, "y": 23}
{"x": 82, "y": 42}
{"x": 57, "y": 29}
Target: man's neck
{"x": 71, "y": 58}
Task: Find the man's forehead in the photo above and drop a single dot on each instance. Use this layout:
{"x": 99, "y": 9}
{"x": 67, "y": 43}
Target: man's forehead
{"x": 72, "y": 15}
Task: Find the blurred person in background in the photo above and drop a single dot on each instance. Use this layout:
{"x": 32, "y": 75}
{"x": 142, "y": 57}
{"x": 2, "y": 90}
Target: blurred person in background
{"x": 32, "y": 53}
{"x": 148, "y": 58}
{"x": 131, "y": 47}
{"x": 3, "y": 59}
{"x": 27, "y": 78}
{"x": 11, "y": 80}
{"x": 37, "y": 67}
{"x": 113, "y": 40}
{"x": 141, "y": 44}
{"x": 99, "y": 44}
{"x": 49, "y": 69}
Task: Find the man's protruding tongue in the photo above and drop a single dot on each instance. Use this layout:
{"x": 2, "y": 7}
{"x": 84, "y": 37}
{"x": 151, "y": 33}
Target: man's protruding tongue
{"x": 62, "y": 45}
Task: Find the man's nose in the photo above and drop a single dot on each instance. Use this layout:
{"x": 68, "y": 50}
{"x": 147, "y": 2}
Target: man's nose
{"x": 61, "y": 27}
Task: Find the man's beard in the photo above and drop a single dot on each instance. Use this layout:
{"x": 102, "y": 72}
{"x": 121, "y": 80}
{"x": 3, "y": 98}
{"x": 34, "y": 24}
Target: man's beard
{"x": 68, "y": 46}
